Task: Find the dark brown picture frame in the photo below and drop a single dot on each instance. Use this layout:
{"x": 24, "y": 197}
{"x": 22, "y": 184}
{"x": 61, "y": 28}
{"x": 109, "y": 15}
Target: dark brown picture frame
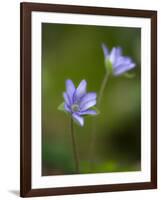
{"x": 25, "y": 146}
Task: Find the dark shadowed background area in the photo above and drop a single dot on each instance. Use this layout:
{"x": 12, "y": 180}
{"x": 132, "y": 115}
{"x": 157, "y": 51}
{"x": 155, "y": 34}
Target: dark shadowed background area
{"x": 74, "y": 51}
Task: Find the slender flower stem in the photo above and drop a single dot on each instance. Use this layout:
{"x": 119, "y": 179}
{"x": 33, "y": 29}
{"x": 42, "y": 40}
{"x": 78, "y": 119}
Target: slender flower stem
{"x": 102, "y": 88}
{"x": 75, "y": 152}
{"x": 93, "y": 136}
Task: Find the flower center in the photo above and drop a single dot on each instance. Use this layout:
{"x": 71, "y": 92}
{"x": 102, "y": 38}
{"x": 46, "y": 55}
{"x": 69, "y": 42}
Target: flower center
{"x": 75, "y": 107}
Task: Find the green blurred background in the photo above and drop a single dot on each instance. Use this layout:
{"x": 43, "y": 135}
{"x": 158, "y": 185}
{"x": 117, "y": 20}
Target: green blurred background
{"x": 74, "y": 51}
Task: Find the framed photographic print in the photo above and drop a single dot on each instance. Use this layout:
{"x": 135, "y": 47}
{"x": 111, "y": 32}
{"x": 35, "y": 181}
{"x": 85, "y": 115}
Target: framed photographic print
{"x": 88, "y": 99}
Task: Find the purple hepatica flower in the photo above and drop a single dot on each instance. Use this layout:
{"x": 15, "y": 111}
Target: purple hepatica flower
{"x": 120, "y": 64}
{"x": 78, "y": 102}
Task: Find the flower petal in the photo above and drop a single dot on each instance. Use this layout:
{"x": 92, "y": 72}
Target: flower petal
{"x": 118, "y": 55}
{"x": 88, "y": 112}
{"x": 67, "y": 99}
{"x": 119, "y": 61}
{"x": 70, "y": 89}
{"x": 123, "y": 68}
{"x": 88, "y": 97}
{"x": 118, "y": 51}
{"x": 113, "y": 55}
{"x": 67, "y": 108}
{"x": 105, "y": 50}
{"x": 81, "y": 90}
{"x": 78, "y": 119}
{"x": 87, "y": 105}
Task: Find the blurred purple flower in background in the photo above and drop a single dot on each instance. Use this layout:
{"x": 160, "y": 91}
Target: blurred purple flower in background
{"x": 116, "y": 62}
{"x": 78, "y": 102}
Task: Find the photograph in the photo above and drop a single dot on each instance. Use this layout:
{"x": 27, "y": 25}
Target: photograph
{"x": 88, "y": 99}
{"x": 91, "y": 98}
